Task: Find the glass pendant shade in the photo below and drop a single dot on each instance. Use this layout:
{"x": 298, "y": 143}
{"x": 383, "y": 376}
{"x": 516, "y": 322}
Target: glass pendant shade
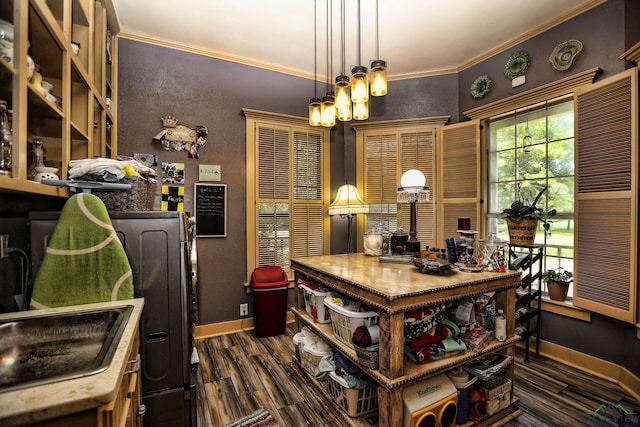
{"x": 378, "y": 78}
{"x": 359, "y": 84}
{"x": 361, "y": 110}
{"x": 343, "y": 98}
{"x": 315, "y": 111}
{"x": 328, "y": 110}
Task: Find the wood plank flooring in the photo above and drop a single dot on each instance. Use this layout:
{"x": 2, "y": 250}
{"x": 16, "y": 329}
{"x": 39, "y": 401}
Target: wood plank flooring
{"x": 240, "y": 373}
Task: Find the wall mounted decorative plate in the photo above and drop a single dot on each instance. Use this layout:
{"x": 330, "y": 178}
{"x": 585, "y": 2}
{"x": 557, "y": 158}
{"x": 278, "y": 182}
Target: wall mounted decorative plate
{"x": 517, "y": 64}
{"x": 480, "y": 87}
{"x": 563, "y": 55}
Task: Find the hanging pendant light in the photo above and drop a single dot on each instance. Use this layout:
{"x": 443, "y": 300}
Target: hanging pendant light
{"x": 342, "y": 87}
{"x": 378, "y": 68}
{"x": 359, "y": 76}
{"x": 315, "y": 102}
{"x": 361, "y": 110}
{"x": 328, "y": 108}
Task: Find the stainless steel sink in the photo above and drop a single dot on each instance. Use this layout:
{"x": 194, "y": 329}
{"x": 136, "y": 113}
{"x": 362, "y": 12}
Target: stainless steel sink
{"x": 45, "y": 348}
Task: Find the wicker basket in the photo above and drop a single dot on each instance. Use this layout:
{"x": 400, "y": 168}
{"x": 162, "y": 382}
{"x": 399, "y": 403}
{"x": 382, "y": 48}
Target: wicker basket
{"x": 523, "y": 232}
{"x": 140, "y": 198}
{"x": 368, "y": 356}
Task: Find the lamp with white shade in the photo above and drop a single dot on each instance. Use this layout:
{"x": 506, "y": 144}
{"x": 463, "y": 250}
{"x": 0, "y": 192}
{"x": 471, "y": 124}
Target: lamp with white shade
{"x": 412, "y": 191}
{"x": 348, "y": 204}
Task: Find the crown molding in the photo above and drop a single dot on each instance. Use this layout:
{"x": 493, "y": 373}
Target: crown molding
{"x": 542, "y": 93}
{"x": 404, "y": 124}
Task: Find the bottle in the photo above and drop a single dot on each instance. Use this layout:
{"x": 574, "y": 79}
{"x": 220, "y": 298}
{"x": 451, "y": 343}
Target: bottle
{"x": 501, "y": 326}
{"x": 5, "y": 139}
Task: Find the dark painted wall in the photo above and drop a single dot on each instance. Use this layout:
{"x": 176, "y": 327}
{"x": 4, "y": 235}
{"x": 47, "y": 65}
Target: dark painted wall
{"x": 601, "y": 32}
{"x": 156, "y": 81}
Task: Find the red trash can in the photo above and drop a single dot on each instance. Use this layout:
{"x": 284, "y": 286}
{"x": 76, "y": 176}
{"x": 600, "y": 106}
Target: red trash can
{"x": 269, "y": 285}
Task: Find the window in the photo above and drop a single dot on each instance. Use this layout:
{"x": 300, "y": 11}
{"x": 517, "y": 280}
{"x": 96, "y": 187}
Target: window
{"x": 387, "y": 150}
{"x": 527, "y": 151}
{"x": 287, "y": 179}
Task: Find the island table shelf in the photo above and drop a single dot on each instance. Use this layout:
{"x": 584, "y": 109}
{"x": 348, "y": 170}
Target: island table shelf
{"x": 392, "y": 290}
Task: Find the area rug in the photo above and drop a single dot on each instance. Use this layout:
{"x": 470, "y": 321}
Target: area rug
{"x": 260, "y": 418}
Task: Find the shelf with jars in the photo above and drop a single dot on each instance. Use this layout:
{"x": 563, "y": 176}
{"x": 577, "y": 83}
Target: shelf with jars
{"x": 57, "y": 76}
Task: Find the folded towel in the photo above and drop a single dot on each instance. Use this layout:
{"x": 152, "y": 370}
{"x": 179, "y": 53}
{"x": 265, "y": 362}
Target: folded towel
{"x": 84, "y": 261}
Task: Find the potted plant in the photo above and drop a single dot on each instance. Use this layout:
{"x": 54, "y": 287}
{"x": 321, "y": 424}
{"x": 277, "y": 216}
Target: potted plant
{"x": 522, "y": 219}
{"x": 557, "y": 281}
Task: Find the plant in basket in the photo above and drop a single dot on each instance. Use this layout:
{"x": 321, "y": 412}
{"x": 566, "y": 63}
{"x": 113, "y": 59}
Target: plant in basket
{"x": 522, "y": 219}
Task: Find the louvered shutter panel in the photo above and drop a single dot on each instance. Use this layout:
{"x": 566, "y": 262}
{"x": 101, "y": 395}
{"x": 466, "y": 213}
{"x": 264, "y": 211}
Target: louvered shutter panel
{"x": 606, "y": 243}
{"x": 459, "y": 177}
{"x": 273, "y": 163}
{"x": 417, "y": 151}
{"x": 273, "y": 156}
{"x": 380, "y": 182}
{"x": 307, "y": 224}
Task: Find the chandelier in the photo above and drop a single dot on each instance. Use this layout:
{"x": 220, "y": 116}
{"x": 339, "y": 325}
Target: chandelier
{"x": 350, "y": 97}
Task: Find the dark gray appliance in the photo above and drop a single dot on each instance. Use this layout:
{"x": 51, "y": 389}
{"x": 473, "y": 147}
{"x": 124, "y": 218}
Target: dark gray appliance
{"x": 158, "y": 247}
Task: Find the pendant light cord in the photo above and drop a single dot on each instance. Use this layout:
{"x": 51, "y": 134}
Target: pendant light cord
{"x": 342, "y": 37}
{"x": 377, "y": 37}
{"x": 315, "y": 48}
{"x": 359, "y": 47}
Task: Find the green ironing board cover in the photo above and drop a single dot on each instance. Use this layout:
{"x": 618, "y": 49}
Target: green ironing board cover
{"x": 84, "y": 261}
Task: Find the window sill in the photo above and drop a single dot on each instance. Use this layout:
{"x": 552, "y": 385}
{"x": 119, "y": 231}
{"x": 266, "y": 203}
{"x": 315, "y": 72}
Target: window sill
{"x": 565, "y": 308}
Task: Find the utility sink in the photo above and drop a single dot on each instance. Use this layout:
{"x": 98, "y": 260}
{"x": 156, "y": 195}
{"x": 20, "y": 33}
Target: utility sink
{"x": 53, "y": 347}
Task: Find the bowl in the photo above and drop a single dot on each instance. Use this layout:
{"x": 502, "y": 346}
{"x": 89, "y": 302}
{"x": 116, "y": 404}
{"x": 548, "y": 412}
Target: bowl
{"x": 45, "y": 173}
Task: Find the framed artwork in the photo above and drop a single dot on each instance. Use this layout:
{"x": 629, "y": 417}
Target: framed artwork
{"x": 173, "y": 173}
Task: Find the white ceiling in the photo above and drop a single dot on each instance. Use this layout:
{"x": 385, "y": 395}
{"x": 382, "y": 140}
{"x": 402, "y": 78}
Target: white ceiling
{"x": 416, "y": 37}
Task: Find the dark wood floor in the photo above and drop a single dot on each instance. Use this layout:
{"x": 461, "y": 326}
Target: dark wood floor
{"x": 240, "y": 373}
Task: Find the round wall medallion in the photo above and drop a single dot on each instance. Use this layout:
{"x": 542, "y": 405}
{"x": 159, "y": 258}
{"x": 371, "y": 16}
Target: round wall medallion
{"x": 480, "y": 87}
{"x": 517, "y": 64}
{"x": 563, "y": 55}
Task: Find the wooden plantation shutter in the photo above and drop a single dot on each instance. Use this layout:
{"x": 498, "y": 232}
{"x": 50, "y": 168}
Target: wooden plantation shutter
{"x": 274, "y": 210}
{"x": 606, "y": 235}
{"x": 459, "y": 178}
{"x": 380, "y": 182}
{"x": 417, "y": 151}
{"x": 307, "y": 230}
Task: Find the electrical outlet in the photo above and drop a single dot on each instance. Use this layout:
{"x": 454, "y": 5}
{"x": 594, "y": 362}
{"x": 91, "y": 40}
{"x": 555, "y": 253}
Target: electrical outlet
{"x": 244, "y": 309}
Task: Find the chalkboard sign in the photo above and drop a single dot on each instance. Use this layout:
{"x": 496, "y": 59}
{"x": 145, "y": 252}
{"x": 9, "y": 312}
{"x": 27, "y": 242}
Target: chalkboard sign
{"x": 210, "y": 206}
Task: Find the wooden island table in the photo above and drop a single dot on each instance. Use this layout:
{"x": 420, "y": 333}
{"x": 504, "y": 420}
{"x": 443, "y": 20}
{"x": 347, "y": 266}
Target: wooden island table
{"x": 392, "y": 289}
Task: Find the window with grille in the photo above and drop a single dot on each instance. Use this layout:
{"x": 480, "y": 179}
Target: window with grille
{"x": 287, "y": 175}
{"x": 527, "y": 151}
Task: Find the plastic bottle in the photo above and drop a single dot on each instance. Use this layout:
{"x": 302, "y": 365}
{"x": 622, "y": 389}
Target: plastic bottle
{"x": 501, "y": 326}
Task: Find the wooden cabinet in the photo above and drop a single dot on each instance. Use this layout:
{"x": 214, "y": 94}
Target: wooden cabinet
{"x": 80, "y": 122}
{"x": 392, "y": 290}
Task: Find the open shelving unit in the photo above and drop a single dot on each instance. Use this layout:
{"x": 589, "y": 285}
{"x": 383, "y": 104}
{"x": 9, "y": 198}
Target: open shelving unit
{"x": 81, "y": 123}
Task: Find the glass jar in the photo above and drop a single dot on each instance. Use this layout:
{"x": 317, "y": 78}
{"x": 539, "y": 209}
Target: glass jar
{"x": 37, "y": 158}
{"x": 492, "y": 253}
{"x": 6, "y": 139}
{"x": 399, "y": 240}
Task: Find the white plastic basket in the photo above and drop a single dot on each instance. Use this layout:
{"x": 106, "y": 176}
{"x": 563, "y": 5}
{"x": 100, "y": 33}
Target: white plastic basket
{"x": 310, "y": 359}
{"x": 355, "y": 402}
{"x": 344, "y": 322}
{"x": 314, "y": 304}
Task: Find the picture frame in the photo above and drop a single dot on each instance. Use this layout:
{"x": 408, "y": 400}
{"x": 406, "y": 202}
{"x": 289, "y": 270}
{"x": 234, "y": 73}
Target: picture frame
{"x": 210, "y": 208}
